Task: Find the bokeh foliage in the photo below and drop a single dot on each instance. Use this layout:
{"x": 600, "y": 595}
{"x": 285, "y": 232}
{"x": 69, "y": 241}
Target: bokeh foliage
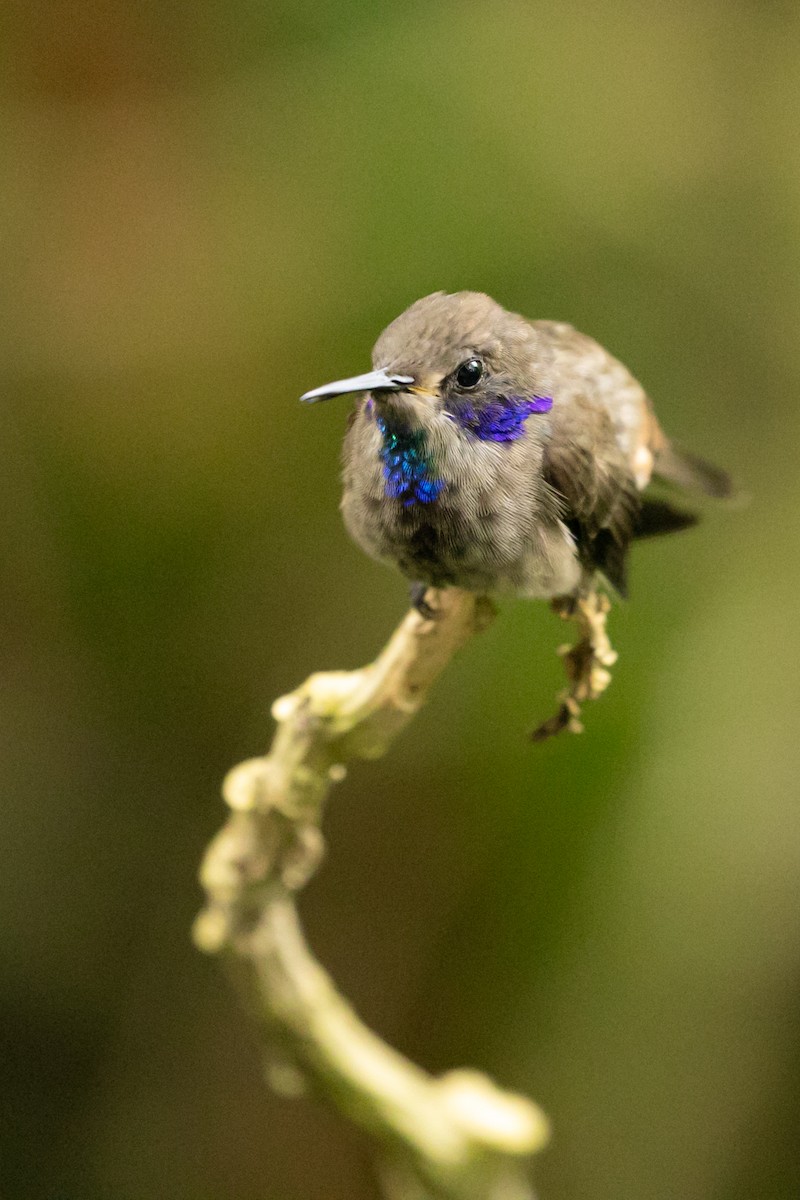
{"x": 206, "y": 210}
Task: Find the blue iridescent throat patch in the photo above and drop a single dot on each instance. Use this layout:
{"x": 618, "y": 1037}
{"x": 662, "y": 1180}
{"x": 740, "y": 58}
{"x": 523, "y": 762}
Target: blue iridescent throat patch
{"x": 501, "y": 419}
{"x": 407, "y": 467}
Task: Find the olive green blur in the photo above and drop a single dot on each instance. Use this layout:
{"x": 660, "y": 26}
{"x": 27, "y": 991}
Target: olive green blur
{"x": 206, "y": 210}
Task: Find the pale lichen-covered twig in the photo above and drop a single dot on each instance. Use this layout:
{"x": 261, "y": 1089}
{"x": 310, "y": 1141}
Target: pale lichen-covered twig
{"x": 457, "y": 1137}
{"x": 586, "y": 663}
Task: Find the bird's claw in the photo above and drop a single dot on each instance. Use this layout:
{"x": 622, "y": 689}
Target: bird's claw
{"x": 417, "y": 594}
{"x": 586, "y": 662}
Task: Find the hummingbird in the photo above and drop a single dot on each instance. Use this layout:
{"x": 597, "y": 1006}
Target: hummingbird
{"x": 503, "y": 455}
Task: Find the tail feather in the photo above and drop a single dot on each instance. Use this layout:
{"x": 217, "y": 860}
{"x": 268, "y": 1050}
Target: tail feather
{"x": 691, "y": 472}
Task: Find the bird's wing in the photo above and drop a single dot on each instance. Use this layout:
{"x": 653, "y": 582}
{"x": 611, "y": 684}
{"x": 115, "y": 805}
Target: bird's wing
{"x": 593, "y": 482}
{"x": 582, "y": 365}
{"x": 606, "y": 443}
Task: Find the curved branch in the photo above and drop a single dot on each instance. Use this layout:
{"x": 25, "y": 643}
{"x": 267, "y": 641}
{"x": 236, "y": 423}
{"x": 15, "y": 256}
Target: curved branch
{"x": 457, "y": 1137}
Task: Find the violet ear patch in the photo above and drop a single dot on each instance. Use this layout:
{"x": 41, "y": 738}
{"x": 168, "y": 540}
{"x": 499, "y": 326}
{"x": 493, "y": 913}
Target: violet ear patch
{"x": 501, "y": 419}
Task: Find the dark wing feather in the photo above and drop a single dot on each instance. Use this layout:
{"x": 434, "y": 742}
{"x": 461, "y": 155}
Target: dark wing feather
{"x": 599, "y": 500}
{"x": 659, "y": 516}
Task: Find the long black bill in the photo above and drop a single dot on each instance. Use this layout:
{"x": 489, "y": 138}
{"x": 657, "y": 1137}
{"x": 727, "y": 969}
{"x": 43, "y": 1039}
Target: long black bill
{"x": 374, "y": 381}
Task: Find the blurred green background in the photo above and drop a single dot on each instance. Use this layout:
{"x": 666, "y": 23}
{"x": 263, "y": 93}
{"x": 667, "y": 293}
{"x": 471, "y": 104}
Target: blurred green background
{"x": 205, "y": 210}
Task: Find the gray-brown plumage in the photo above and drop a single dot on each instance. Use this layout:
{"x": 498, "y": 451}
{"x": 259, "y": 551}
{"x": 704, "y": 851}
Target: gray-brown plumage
{"x": 498, "y": 454}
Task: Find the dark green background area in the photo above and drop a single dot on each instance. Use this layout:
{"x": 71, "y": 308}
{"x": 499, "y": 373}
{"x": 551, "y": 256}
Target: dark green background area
{"x": 207, "y": 209}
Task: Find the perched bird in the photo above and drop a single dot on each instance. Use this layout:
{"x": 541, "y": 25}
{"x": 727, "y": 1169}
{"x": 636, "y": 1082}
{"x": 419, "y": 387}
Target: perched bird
{"x": 502, "y": 455}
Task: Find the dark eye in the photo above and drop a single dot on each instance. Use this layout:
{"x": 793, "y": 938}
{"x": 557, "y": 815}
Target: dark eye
{"x": 470, "y": 373}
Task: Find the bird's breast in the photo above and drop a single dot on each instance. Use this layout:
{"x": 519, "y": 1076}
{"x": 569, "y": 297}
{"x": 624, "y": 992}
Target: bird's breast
{"x": 448, "y": 507}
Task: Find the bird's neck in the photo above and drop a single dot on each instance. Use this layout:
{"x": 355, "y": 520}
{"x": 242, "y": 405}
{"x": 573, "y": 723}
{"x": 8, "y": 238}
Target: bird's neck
{"x": 409, "y": 468}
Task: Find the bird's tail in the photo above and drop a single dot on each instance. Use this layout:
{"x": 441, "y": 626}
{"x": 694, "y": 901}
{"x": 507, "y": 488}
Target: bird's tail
{"x": 691, "y": 472}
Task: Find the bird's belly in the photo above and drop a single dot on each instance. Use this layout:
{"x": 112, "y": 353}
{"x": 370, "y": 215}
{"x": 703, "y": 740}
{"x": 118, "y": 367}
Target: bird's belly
{"x": 500, "y": 550}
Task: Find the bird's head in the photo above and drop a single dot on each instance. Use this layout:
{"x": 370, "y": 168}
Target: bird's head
{"x": 458, "y": 355}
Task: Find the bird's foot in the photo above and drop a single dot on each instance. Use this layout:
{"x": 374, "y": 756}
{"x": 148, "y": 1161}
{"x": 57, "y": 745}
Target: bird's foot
{"x": 586, "y": 663}
{"x": 417, "y": 593}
